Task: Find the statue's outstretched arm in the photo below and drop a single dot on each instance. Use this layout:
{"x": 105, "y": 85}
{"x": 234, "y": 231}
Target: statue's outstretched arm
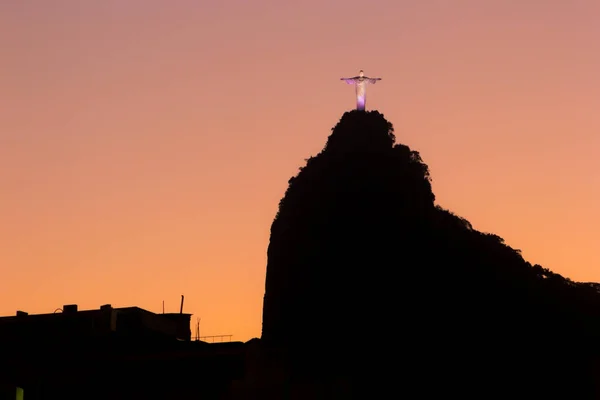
{"x": 349, "y": 81}
{"x": 374, "y": 80}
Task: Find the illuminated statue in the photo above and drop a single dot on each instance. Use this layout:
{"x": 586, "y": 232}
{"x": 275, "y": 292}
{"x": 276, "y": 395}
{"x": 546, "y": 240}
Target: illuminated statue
{"x": 360, "y": 82}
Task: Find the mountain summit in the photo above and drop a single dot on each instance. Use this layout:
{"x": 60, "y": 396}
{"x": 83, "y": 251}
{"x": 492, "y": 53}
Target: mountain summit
{"x": 338, "y": 229}
{"x": 363, "y": 265}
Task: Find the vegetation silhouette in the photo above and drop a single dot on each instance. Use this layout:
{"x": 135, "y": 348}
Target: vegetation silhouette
{"x": 368, "y": 279}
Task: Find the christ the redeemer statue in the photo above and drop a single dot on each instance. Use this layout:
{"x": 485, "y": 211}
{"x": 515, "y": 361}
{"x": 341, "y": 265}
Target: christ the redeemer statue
{"x": 360, "y": 82}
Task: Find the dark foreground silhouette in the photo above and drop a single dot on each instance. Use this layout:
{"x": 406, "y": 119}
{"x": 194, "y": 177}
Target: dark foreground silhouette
{"x": 112, "y": 353}
{"x": 369, "y": 283}
{"x": 372, "y": 292}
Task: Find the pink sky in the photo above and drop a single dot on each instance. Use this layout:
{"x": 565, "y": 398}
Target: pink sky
{"x": 145, "y": 145}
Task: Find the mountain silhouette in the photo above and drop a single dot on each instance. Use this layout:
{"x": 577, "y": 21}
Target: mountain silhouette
{"x": 369, "y": 280}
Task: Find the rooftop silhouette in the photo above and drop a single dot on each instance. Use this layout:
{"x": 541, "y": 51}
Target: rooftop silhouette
{"x": 112, "y": 353}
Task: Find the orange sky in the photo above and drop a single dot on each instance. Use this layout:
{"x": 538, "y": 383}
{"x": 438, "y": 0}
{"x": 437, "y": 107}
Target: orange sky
{"x": 145, "y": 144}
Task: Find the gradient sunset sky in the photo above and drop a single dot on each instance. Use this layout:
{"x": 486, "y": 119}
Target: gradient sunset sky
{"x": 145, "y": 145}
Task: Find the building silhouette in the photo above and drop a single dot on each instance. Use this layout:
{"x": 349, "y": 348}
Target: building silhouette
{"x": 111, "y": 353}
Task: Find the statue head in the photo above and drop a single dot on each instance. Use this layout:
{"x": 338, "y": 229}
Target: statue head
{"x": 361, "y": 73}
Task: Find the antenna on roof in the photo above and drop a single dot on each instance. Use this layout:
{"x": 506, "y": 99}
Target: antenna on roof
{"x": 163, "y": 306}
{"x": 181, "y": 308}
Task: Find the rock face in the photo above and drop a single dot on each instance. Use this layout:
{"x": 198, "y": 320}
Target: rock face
{"x": 334, "y": 237}
{"x": 361, "y": 262}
